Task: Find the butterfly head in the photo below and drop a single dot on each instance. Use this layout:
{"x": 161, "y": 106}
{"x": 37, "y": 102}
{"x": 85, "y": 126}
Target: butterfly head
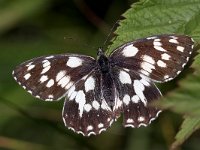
{"x": 102, "y": 61}
{"x": 100, "y": 52}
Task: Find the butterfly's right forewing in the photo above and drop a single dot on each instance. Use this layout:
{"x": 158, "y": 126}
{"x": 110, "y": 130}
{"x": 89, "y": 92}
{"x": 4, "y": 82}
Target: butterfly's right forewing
{"x": 160, "y": 58}
{"x": 50, "y": 77}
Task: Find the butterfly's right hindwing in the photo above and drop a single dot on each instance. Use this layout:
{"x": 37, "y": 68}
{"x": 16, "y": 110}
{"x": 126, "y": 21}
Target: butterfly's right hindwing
{"x": 136, "y": 93}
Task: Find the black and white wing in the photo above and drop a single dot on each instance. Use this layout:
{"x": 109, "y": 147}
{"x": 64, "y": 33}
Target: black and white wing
{"x": 136, "y": 93}
{"x": 160, "y": 58}
{"x": 50, "y": 77}
{"x": 86, "y": 111}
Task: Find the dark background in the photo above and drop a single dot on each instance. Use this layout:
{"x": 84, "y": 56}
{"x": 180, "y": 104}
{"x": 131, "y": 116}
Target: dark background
{"x": 30, "y": 29}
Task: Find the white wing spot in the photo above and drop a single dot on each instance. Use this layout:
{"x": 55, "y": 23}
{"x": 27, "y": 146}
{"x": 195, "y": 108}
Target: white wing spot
{"x": 124, "y": 77}
{"x": 43, "y": 78}
{"x": 129, "y": 120}
{"x": 49, "y": 57}
{"x": 73, "y": 95}
{"x": 147, "y": 66}
{"x": 118, "y": 103}
{"x": 130, "y": 51}
{"x": 157, "y": 40}
{"x": 89, "y": 84}
{"x": 108, "y": 120}
{"x": 45, "y": 69}
{"x": 89, "y": 128}
{"x": 37, "y": 96}
{"x": 71, "y": 90}
{"x": 139, "y": 88}
{"x": 135, "y": 99}
{"x": 63, "y": 82}
{"x": 151, "y": 38}
{"x": 50, "y": 83}
{"x": 174, "y": 37}
{"x": 126, "y": 99}
{"x": 145, "y": 72}
{"x": 166, "y": 77}
{"x": 50, "y": 96}
{"x": 159, "y": 48}
{"x": 69, "y": 85}
{"x": 27, "y": 76}
{"x": 30, "y": 67}
{"x": 183, "y": 65}
{"x": 173, "y": 41}
{"x": 29, "y": 64}
{"x": 165, "y": 56}
{"x": 95, "y": 104}
{"x": 60, "y": 75}
{"x": 127, "y": 70}
{"x": 100, "y": 125}
{"x": 145, "y": 82}
{"x": 87, "y": 107}
{"x": 180, "y": 48}
{"x": 80, "y": 99}
{"x": 105, "y": 106}
{"x": 156, "y": 43}
{"x": 148, "y": 59}
{"x": 74, "y": 62}
{"x": 161, "y": 64}
{"x": 178, "y": 72}
{"x": 30, "y": 92}
{"x": 85, "y": 77}
{"x": 46, "y": 63}
{"x": 141, "y": 118}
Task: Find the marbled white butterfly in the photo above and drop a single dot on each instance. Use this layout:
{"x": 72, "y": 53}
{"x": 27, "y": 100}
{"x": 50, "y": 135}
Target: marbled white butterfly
{"x": 97, "y": 91}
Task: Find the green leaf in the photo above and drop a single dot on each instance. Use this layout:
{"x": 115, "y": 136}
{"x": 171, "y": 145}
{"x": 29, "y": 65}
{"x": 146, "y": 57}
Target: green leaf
{"x": 9, "y": 143}
{"x": 188, "y": 126}
{"x": 184, "y": 99}
{"x": 152, "y": 17}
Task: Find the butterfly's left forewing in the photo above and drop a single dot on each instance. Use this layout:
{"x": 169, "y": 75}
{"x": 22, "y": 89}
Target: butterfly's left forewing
{"x": 50, "y": 77}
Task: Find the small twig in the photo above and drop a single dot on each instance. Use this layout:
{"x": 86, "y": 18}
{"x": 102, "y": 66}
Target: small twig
{"x": 90, "y": 15}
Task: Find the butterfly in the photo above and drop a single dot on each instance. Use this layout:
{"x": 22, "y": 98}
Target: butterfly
{"x": 98, "y": 91}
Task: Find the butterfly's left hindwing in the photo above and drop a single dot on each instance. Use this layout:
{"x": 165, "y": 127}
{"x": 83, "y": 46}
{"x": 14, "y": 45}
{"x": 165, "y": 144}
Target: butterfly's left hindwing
{"x": 86, "y": 111}
{"x": 50, "y": 77}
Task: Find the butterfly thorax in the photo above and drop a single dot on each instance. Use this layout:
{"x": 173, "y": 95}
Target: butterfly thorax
{"x": 103, "y": 62}
{"x": 108, "y": 89}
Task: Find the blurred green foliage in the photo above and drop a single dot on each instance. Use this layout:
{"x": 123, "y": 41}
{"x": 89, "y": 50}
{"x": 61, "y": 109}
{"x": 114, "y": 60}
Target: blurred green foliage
{"x": 30, "y": 29}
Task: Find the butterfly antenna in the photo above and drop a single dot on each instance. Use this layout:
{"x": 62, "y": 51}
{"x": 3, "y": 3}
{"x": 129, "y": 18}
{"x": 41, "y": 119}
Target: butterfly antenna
{"x": 79, "y": 41}
{"x": 111, "y": 31}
